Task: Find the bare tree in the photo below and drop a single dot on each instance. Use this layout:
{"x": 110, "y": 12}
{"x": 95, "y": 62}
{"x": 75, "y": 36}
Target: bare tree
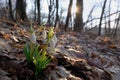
{"x": 109, "y": 25}
{"x": 68, "y": 15}
{"x": 61, "y": 17}
{"x": 57, "y": 16}
{"x": 10, "y": 8}
{"x": 39, "y": 13}
{"x": 100, "y": 23}
{"x": 79, "y": 20}
{"x": 21, "y": 10}
{"x": 50, "y": 8}
{"x": 116, "y": 22}
{"x": 105, "y": 21}
{"x": 117, "y": 25}
{"x": 89, "y": 16}
{"x": 51, "y": 12}
{"x": 35, "y": 2}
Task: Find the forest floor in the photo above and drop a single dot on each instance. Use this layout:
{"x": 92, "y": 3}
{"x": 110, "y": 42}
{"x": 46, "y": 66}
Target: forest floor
{"x": 78, "y": 56}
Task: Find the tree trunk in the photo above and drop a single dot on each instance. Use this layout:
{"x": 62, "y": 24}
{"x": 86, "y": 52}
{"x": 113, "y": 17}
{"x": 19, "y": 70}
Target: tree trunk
{"x": 21, "y": 10}
{"x": 109, "y": 24}
{"x": 49, "y": 16}
{"x": 35, "y": 10}
{"x": 39, "y": 13}
{"x": 117, "y": 25}
{"x": 68, "y": 15}
{"x": 10, "y": 8}
{"x": 103, "y": 9}
{"x": 57, "y": 16}
{"x": 79, "y": 20}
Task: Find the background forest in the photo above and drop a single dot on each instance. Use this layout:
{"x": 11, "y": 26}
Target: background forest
{"x": 71, "y": 14}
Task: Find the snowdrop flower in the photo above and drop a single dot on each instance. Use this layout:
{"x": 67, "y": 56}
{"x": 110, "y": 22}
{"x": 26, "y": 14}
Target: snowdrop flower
{"x": 52, "y": 43}
{"x": 33, "y": 38}
{"x": 44, "y": 35}
{"x": 55, "y": 39}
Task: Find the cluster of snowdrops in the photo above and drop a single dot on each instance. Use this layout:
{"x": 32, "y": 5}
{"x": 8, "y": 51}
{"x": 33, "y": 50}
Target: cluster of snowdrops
{"x": 37, "y": 56}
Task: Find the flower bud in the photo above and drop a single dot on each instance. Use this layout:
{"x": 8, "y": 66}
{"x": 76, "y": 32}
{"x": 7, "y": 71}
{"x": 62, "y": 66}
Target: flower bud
{"x": 55, "y": 39}
{"x": 33, "y": 38}
{"x": 52, "y": 43}
{"x": 50, "y": 33}
{"x": 44, "y": 34}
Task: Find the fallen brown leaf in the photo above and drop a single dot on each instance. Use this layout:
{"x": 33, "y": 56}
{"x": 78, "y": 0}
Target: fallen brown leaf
{"x": 106, "y": 39}
{"x": 113, "y": 46}
{"x": 6, "y": 36}
{"x": 18, "y": 46}
{"x": 22, "y": 32}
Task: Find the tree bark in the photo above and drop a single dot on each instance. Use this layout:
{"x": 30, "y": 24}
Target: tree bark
{"x": 57, "y": 16}
{"x": 109, "y": 24}
{"x": 79, "y": 13}
{"x": 35, "y": 3}
{"x": 68, "y": 15}
{"x": 49, "y": 16}
{"x": 39, "y": 13}
{"x": 10, "y": 8}
{"x": 103, "y": 9}
{"x": 21, "y": 10}
{"x": 117, "y": 25}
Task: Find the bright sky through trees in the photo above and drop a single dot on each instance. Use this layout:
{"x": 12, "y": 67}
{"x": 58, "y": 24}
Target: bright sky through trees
{"x": 88, "y": 5}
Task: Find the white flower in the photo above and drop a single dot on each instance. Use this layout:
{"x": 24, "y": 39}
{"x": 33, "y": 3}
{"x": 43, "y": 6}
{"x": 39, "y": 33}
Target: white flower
{"x": 44, "y": 34}
{"x": 52, "y": 43}
{"x": 33, "y": 38}
{"x": 55, "y": 39}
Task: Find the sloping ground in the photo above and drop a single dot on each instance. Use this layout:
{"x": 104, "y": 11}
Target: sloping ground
{"x": 78, "y": 56}
{"x": 101, "y": 55}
